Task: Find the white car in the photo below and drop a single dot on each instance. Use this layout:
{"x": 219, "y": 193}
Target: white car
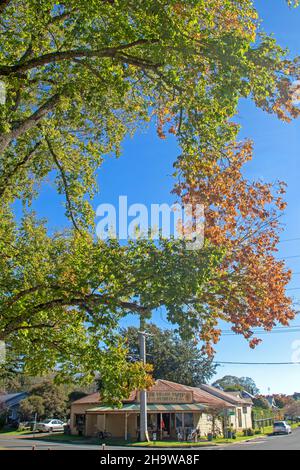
{"x": 50, "y": 425}
{"x": 281, "y": 427}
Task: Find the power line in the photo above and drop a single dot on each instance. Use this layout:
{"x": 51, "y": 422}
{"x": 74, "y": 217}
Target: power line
{"x": 261, "y": 331}
{"x": 289, "y": 240}
{"x": 274, "y": 328}
{"x": 257, "y": 363}
{"x": 266, "y": 332}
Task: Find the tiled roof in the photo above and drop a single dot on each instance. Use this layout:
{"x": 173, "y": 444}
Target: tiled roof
{"x": 225, "y": 395}
{"x": 162, "y": 385}
{"x": 96, "y": 398}
{"x": 199, "y": 395}
{"x": 5, "y": 398}
{"x": 93, "y": 398}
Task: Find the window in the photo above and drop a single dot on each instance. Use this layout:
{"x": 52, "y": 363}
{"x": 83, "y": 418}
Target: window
{"x": 79, "y": 420}
{"x": 179, "y": 423}
{"x": 245, "y": 410}
{"x": 188, "y": 420}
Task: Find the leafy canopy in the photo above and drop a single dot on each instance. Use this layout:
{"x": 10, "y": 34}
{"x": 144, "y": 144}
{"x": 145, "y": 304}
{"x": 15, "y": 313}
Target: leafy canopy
{"x": 231, "y": 383}
{"x": 62, "y": 296}
{"x": 79, "y": 77}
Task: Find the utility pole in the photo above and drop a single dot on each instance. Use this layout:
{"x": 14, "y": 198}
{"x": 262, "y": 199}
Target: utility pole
{"x": 143, "y": 393}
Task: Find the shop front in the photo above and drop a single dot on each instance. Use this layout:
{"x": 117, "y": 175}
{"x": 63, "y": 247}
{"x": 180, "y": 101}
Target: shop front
{"x": 165, "y": 421}
{"x": 174, "y": 411}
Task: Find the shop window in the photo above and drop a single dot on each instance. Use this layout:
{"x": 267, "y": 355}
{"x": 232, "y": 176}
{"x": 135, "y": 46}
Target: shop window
{"x": 188, "y": 420}
{"x": 179, "y": 422}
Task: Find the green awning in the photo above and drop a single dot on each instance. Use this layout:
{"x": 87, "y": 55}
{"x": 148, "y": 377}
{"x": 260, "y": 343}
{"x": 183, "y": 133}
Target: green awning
{"x": 160, "y": 408}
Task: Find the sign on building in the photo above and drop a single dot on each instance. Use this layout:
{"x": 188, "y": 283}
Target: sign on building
{"x": 169, "y": 397}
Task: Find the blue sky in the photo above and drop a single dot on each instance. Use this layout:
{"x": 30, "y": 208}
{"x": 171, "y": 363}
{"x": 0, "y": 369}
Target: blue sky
{"x": 143, "y": 173}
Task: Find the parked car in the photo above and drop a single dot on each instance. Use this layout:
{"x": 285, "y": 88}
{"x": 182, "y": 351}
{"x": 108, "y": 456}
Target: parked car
{"x": 281, "y": 427}
{"x": 50, "y": 425}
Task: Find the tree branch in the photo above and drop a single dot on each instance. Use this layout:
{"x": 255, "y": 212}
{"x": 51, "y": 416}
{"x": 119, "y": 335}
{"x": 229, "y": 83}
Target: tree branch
{"x": 65, "y": 184}
{"x": 12, "y": 329}
{"x": 59, "y": 56}
{"x": 89, "y": 301}
{"x": 4, "y": 181}
{"x": 12, "y": 300}
{"x": 29, "y": 123}
{"x": 3, "y": 5}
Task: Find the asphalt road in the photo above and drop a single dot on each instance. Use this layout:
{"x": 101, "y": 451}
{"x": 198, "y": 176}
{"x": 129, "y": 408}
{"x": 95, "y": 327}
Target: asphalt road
{"x": 291, "y": 442}
{"x": 17, "y": 443}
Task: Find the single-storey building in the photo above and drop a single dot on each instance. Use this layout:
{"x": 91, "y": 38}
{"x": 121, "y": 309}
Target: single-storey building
{"x": 172, "y": 409}
{"x": 242, "y": 416}
{"x": 10, "y": 404}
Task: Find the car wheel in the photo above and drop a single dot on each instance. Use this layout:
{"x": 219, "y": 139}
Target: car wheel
{"x": 50, "y": 429}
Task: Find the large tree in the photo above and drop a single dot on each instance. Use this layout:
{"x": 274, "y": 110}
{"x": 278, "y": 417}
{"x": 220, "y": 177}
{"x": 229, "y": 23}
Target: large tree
{"x": 63, "y": 296}
{"x": 231, "y": 383}
{"x": 171, "y": 357}
{"x": 47, "y": 399}
{"x": 81, "y": 75}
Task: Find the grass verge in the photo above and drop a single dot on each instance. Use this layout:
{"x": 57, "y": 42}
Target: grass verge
{"x": 14, "y": 433}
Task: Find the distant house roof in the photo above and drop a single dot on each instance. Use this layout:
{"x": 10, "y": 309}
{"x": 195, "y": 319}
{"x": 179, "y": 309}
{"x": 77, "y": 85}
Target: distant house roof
{"x": 199, "y": 395}
{"x": 243, "y": 394}
{"x": 246, "y": 394}
{"x": 12, "y": 399}
{"x": 271, "y": 400}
